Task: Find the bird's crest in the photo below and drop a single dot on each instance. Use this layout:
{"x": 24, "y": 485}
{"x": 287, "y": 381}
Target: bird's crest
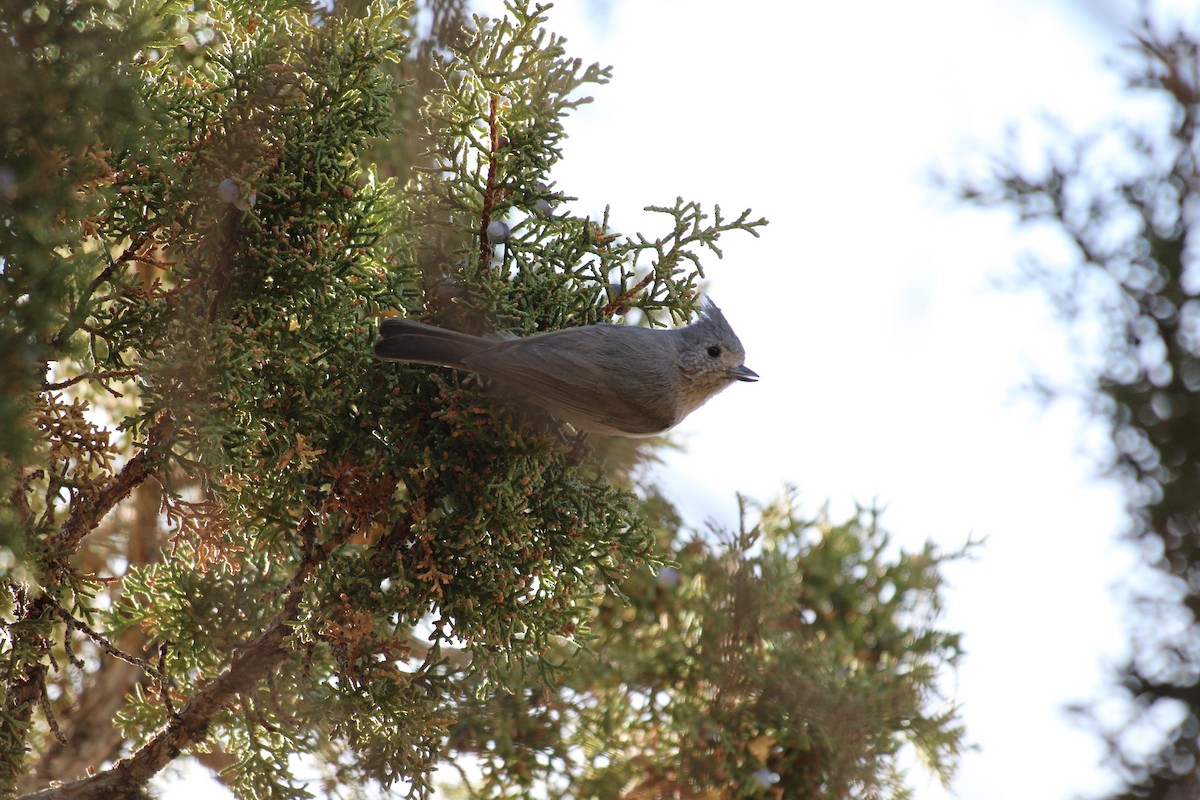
{"x": 710, "y": 313}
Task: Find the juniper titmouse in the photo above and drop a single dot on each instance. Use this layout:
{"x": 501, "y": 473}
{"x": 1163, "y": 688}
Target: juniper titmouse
{"x": 602, "y": 378}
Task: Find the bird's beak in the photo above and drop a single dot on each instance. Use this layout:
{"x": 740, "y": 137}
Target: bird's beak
{"x": 743, "y": 373}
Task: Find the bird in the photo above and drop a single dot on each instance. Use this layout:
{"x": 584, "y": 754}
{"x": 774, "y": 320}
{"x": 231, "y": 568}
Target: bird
{"x": 617, "y": 380}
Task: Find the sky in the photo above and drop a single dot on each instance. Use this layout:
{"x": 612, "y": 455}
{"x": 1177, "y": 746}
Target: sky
{"x": 892, "y": 364}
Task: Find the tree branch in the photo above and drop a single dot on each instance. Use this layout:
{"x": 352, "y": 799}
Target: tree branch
{"x": 87, "y": 721}
{"x": 253, "y": 663}
{"x": 96, "y": 376}
{"x": 489, "y": 194}
{"x": 90, "y": 510}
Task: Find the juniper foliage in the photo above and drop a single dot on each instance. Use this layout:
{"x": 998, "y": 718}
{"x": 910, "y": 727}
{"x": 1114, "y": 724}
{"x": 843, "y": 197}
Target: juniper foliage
{"x": 231, "y": 533}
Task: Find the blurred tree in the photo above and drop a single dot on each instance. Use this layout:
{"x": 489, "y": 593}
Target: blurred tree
{"x": 1125, "y": 200}
{"x": 230, "y": 533}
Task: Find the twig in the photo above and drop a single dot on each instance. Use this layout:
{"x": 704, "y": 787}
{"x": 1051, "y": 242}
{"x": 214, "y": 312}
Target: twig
{"x": 72, "y": 659}
{"x": 75, "y": 320}
{"x": 48, "y": 712}
{"x": 79, "y": 313}
{"x": 105, "y": 644}
{"x": 165, "y": 687}
{"x": 489, "y": 193}
{"x": 625, "y": 296}
{"x": 17, "y": 496}
{"x": 90, "y": 510}
{"x": 99, "y": 376}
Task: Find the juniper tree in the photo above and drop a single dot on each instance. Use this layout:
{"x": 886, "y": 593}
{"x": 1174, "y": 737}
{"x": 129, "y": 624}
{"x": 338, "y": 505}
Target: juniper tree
{"x": 232, "y": 534}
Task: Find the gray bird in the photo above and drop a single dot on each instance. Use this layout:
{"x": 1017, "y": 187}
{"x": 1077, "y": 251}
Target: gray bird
{"x": 612, "y": 379}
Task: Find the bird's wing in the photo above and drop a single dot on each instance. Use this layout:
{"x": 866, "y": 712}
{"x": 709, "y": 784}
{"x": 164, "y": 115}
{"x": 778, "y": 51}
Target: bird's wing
{"x": 562, "y": 374}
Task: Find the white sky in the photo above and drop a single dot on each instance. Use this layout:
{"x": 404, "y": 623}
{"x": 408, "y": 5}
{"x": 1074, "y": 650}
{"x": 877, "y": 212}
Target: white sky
{"x": 890, "y": 366}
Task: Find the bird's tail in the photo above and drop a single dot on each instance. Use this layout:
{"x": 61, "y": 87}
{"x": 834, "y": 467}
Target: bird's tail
{"x": 405, "y": 340}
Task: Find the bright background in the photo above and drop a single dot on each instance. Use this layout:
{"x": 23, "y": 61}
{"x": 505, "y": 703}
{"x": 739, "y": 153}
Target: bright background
{"x": 891, "y": 364}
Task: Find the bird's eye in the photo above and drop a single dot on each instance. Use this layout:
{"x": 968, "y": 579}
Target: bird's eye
{"x": 714, "y": 351}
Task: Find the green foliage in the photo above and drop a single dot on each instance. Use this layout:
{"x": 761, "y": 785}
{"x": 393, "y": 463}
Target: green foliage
{"x": 795, "y": 656}
{"x": 799, "y": 651}
{"x": 496, "y": 119}
{"x": 69, "y": 97}
{"x": 316, "y": 561}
